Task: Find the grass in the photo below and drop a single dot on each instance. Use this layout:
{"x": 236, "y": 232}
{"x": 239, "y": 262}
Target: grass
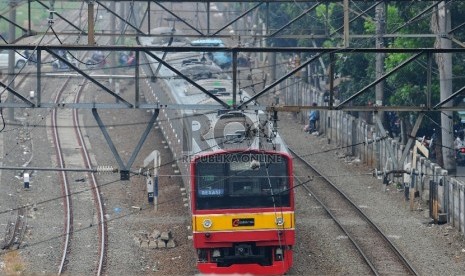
{"x": 12, "y": 264}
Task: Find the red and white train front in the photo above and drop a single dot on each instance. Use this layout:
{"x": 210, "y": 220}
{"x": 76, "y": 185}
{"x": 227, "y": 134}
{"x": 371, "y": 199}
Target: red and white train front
{"x": 243, "y": 212}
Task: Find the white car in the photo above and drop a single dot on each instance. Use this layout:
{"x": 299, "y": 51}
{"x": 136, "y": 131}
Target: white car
{"x": 19, "y": 59}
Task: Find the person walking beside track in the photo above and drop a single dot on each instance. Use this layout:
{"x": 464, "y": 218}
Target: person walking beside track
{"x": 314, "y": 117}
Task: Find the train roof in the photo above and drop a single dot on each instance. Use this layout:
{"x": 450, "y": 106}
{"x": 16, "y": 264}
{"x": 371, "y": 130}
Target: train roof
{"x": 166, "y": 34}
{"x": 214, "y": 42}
{"x": 228, "y": 130}
{"x": 234, "y": 130}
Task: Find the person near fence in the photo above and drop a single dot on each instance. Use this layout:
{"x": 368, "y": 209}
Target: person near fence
{"x": 314, "y": 118}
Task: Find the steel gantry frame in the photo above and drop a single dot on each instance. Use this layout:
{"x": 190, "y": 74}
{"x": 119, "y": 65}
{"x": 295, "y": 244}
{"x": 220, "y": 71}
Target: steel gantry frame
{"x": 136, "y": 29}
{"x": 316, "y": 53}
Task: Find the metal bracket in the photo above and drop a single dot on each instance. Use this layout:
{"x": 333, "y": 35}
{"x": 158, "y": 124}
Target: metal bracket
{"x": 125, "y": 169}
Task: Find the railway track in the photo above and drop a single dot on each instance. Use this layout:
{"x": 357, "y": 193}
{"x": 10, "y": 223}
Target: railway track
{"x": 378, "y": 252}
{"x": 17, "y": 225}
{"x": 14, "y": 233}
{"x": 82, "y": 203}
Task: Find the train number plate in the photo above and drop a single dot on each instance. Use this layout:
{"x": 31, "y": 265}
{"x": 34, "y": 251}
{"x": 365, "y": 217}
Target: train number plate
{"x": 239, "y": 222}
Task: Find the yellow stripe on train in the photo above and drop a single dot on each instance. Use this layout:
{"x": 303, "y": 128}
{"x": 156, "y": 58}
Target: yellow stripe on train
{"x": 247, "y": 221}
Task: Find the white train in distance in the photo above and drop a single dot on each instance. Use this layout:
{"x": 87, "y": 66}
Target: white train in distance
{"x": 209, "y": 127}
{"x": 234, "y": 164}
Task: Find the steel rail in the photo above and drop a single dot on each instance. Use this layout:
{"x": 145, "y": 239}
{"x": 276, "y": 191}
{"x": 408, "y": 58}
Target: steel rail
{"x": 94, "y": 188}
{"x": 65, "y": 186}
{"x": 394, "y": 249}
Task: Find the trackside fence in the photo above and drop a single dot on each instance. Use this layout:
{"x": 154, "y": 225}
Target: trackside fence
{"x": 360, "y": 139}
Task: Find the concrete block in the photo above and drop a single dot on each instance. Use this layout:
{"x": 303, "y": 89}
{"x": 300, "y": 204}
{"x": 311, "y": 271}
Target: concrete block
{"x": 165, "y": 236}
{"x": 155, "y": 234}
{"x": 161, "y": 243}
{"x": 171, "y": 244}
{"x": 137, "y": 241}
{"x": 153, "y": 244}
{"x": 144, "y": 244}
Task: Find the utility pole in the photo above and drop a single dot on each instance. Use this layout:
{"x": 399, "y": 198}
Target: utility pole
{"x": 123, "y": 13}
{"x": 380, "y": 12}
{"x": 11, "y": 58}
{"x": 346, "y": 23}
{"x": 90, "y": 25}
{"x": 272, "y": 56}
{"x": 441, "y": 24}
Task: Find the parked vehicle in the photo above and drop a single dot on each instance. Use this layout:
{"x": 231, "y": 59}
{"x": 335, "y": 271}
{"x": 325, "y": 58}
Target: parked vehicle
{"x": 31, "y": 57}
{"x": 222, "y": 59}
{"x": 4, "y": 57}
{"x": 59, "y": 65}
{"x": 97, "y": 60}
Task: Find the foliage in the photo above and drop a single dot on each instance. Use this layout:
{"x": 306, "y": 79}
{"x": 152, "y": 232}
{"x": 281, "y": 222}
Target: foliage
{"x": 408, "y": 85}
{"x": 280, "y": 14}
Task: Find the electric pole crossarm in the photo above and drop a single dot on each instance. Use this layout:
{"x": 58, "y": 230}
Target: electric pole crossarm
{"x": 383, "y": 77}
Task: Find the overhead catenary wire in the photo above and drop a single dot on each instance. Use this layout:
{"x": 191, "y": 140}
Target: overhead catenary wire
{"x": 108, "y": 220}
{"x": 135, "y": 211}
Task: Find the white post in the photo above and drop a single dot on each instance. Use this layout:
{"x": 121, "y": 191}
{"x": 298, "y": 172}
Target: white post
{"x": 156, "y": 165}
{"x": 152, "y": 183}
{"x": 26, "y": 180}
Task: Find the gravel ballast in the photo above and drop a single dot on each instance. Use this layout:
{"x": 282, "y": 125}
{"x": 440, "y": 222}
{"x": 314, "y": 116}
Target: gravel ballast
{"x": 320, "y": 250}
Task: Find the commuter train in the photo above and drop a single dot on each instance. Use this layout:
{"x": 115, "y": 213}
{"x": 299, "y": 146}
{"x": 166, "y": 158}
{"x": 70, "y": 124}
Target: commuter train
{"x": 235, "y": 165}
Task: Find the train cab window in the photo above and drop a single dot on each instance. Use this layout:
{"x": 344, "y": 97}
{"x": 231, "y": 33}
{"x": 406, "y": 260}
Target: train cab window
{"x": 210, "y": 185}
{"x": 243, "y": 187}
{"x": 237, "y": 185}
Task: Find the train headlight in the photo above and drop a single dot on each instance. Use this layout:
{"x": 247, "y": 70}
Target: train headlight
{"x": 207, "y": 223}
{"x": 280, "y": 221}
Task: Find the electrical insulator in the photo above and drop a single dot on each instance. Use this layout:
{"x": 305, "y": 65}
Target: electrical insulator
{"x": 106, "y": 169}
